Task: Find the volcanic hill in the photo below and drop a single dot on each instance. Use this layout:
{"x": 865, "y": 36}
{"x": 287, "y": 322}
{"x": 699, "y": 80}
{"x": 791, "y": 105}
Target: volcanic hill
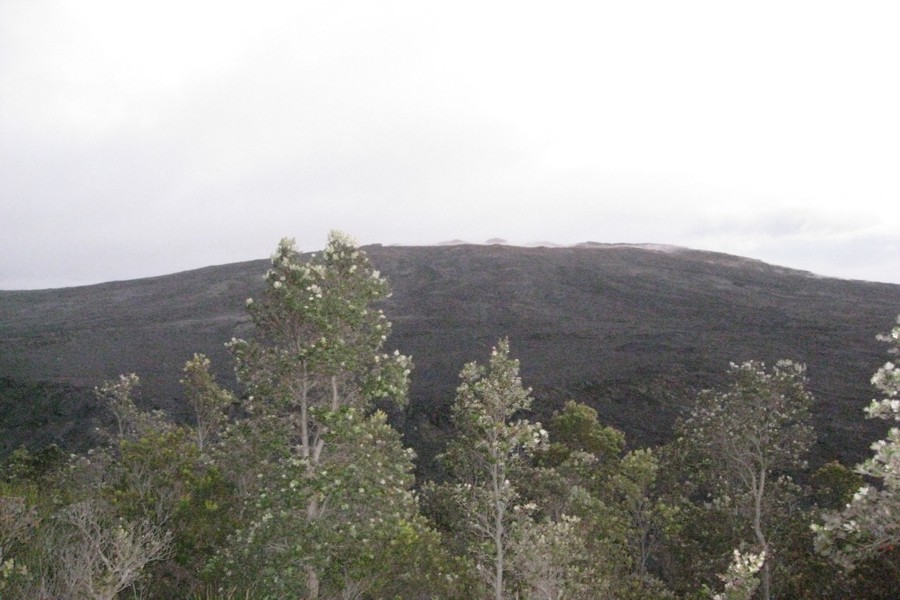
{"x": 633, "y": 331}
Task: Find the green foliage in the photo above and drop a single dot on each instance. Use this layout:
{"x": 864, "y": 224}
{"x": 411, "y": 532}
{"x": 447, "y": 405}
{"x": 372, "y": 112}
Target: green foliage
{"x": 353, "y": 518}
{"x": 488, "y": 437}
{"x": 154, "y": 473}
{"x": 701, "y": 545}
{"x": 328, "y": 508}
{"x": 209, "y": 401}
{"x": 869, "y": 524}
{"x": 758, "y": 425}
{"x": 581, "y": 430}
{"x": 576, "y": 432}
{"x": 833, "y": 485}
{"x": 585, "y": 474}
{"x": 544, "y": 559}
{"x": 98, "y": 554}
{"x": 23, "y": 466}
{"x": 491, "y": 448}
{"x": 19, "y": 519}
{"x": 68, "y": 539}
{"x": 739, "y": 448}
{"x": 320, "y": 338}
{"x": 120, "y": 516}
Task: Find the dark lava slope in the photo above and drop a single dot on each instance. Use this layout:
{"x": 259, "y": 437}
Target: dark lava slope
{"x": 633, "y": 331}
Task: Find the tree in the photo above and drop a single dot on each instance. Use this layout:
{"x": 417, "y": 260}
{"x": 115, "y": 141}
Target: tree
{"x": 118, "y": 396}
{"x": 543, "y": 558}
{"x": 645, "y": 517}
{"x": 155, "y": 476}
{"x": 325, "y": 503}
{"x": 320, "y": 341}
{"x": 99, "y": 555}
{"x": 208, "y": 400}
{"x": 18, "y": 520}
{"x": 99, "y": 521}
{"x": 23, "y": 494}
{"x": 869, "y": 525}
{"x": 319, "y": 344}
{"x": 746, "y": 440}
{"x": 312, "y": 376}
{"x": 584, "y": 478}
{"x": 490, "y": 446}
{"x": 367, "y": 538}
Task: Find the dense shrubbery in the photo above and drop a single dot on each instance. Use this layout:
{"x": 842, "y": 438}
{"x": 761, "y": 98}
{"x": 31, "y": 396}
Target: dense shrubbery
{"x": 298, "y": 487}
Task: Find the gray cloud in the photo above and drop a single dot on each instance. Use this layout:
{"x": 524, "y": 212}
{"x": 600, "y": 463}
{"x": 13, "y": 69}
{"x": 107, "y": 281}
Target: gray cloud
{"x": 133, "y": 143}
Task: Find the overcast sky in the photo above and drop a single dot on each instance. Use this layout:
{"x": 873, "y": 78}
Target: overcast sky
{"x": 144, "y": 138}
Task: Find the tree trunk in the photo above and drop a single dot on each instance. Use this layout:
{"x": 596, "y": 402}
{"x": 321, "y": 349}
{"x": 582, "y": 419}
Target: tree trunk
{"x": 334, "y": 393}
{"x": 498, "y": 534}
{"x": 312, "y": 584}
{"x": 765, "y": 572}
{"x": 311, "y": 455}
{"x": 304, "y": 414}
{"x": 766, "y": 580}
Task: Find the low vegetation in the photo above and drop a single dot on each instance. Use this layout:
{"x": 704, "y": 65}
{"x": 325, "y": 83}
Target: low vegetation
{"x": 297, "y": 486}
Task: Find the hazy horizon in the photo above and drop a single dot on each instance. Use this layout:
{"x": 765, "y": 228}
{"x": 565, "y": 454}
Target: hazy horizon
{"x": 543, "y": 244}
